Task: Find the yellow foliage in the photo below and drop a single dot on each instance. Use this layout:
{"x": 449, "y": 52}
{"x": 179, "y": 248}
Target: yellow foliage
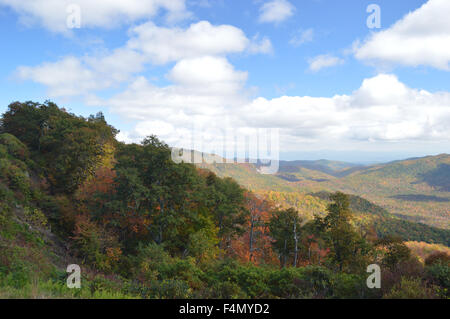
{"x": 422, "y": 250}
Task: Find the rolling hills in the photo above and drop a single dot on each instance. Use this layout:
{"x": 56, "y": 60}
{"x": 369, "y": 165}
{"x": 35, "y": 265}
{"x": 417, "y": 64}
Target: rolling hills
{"x": 415, "y": 189}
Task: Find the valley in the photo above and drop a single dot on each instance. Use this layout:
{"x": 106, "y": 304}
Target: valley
{"x": 416, "y": 190}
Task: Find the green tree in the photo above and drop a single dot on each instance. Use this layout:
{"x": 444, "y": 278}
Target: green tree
{"x": 395, "y": 251}
{"x": 285, "y": 226}
{"x": 225, "y": 199}
{"x": 67, "y": 148}
{"x": 348, "y": 248}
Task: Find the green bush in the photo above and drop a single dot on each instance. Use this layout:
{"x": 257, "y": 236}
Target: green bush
{"x": 349, "y": 286}
{"x": 11, "y": 145}
{"x": 411, "y": 288}
{"x": 439, "y": 274}
{"x": 35, "y": 217}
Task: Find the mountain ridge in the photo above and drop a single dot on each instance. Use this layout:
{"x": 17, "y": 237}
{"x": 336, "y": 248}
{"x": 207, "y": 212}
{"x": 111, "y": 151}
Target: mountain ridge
{"x": 414, "y": 188}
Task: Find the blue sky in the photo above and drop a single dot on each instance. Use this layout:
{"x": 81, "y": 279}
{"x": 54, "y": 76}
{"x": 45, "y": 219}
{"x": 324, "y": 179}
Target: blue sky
{"x": 157, "y": 68}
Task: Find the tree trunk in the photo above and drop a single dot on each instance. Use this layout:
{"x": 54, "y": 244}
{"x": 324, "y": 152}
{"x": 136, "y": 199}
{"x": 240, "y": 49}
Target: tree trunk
{"x": 252, "y": 224}
{"x": 296, "y": 244}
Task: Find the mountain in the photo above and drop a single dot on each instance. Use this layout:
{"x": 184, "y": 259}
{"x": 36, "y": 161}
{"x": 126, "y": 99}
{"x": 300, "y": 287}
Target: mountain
{"x": 386, "y": 224}
{"x": 416, "y": 189}
{"x": 333, "y": 168}
{"x": 140, "y": 225}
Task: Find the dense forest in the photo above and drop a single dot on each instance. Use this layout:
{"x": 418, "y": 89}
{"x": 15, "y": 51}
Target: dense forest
{"x": 388, "y": 225}
{"x": 413, "y": 190}
{"x": 141, "y": 226}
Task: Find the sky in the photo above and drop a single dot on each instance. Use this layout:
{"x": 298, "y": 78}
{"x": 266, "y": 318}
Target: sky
{"x": 361, "y": 81}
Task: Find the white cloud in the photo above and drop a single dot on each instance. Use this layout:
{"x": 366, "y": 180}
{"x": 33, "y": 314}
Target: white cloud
{"x": 72, "y": 76}
{"x": 158, "y": 128}
{"x": 67, "y": 77}
{"x": 276, "y": 11}
{"x": 204, "y": 91}
{"x": 194, "y": 47}
{"x": 301, "y": 37}
{"x": 162, "y": 45}
{"x": 382, "y": 110}
{"x": 324, "y": 61}
{"x": 207, "y": 74}
{"x": 52, "y": 14}
{"x": 195, "y": 93}
{"x": 422, "y": 37}
{"x": 263, "y": 46}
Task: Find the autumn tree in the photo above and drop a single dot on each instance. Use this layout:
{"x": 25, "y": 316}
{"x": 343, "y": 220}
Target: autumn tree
{"x": 257, "y": 224}
{"x": 254, "y": 245}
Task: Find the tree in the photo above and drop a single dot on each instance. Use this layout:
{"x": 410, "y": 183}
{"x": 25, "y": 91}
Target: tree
{"x": 285, "y": 226}
{"x": 162, "y": 196}
{"x": 395, "y": 251}
{"x": 68, "y": 148}
{"x": 314, "y": 242}
{"x": 256, "y": 223}
{"x": 225, "y": 199}
{"x": 347, "y": 246}
{"x": 255, "y": 244}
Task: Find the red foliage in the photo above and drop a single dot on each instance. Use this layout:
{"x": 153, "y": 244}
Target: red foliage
{"x": 255, "y": 245}
{"x": 103, "y": 182}
{"x": 315, "y": 252}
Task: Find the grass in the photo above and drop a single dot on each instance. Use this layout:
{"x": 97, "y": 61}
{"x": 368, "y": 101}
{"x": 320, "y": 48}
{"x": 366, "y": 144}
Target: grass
{"x": 39, "y": 289}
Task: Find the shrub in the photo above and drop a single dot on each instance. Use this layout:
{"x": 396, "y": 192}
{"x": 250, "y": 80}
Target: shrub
{"x": 438, "y": 258}
{"x": 95, "y": 245}
{"x": 439, "y": 274}
{"x": 348, "y": 286}
{"x": 13, "y": 146}
{"x": 411, "y": 288}
{"x": 35, "y": 217}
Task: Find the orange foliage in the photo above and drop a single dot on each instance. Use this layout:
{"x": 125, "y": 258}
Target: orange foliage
{"x": 255, "y": 244}
{"x": 103, "y": 182}
{"x": 315, "y": 253}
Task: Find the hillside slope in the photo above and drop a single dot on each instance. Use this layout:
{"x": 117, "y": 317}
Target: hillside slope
{"x": 413, "y": 189}
{"x": 140, "y": 225}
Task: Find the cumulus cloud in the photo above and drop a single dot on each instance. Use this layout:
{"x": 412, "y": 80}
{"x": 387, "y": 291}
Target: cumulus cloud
{"x": 67, "y": 77}
{"x": 208, "y": 101}
{"x": 276, "y": 11}
{"x": 210, "y": 74}
{"x": 52, "y": 14}
{"x": 201, "y": 86}
{"x": 324, "y": 61}
{"x": 382, "y": 110}
{"x": 162, "y": 45}
{"x": 149, "y": 44}
{"x": 422, "y": 37}
{"x": 73, "y": 76}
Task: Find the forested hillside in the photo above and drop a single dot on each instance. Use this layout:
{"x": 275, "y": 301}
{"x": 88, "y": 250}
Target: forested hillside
{"x": 415, "y": 190}
{"x": 141, "y": 226}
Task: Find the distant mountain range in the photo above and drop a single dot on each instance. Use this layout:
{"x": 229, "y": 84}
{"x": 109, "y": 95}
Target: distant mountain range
{"x": 416, "y": 189}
